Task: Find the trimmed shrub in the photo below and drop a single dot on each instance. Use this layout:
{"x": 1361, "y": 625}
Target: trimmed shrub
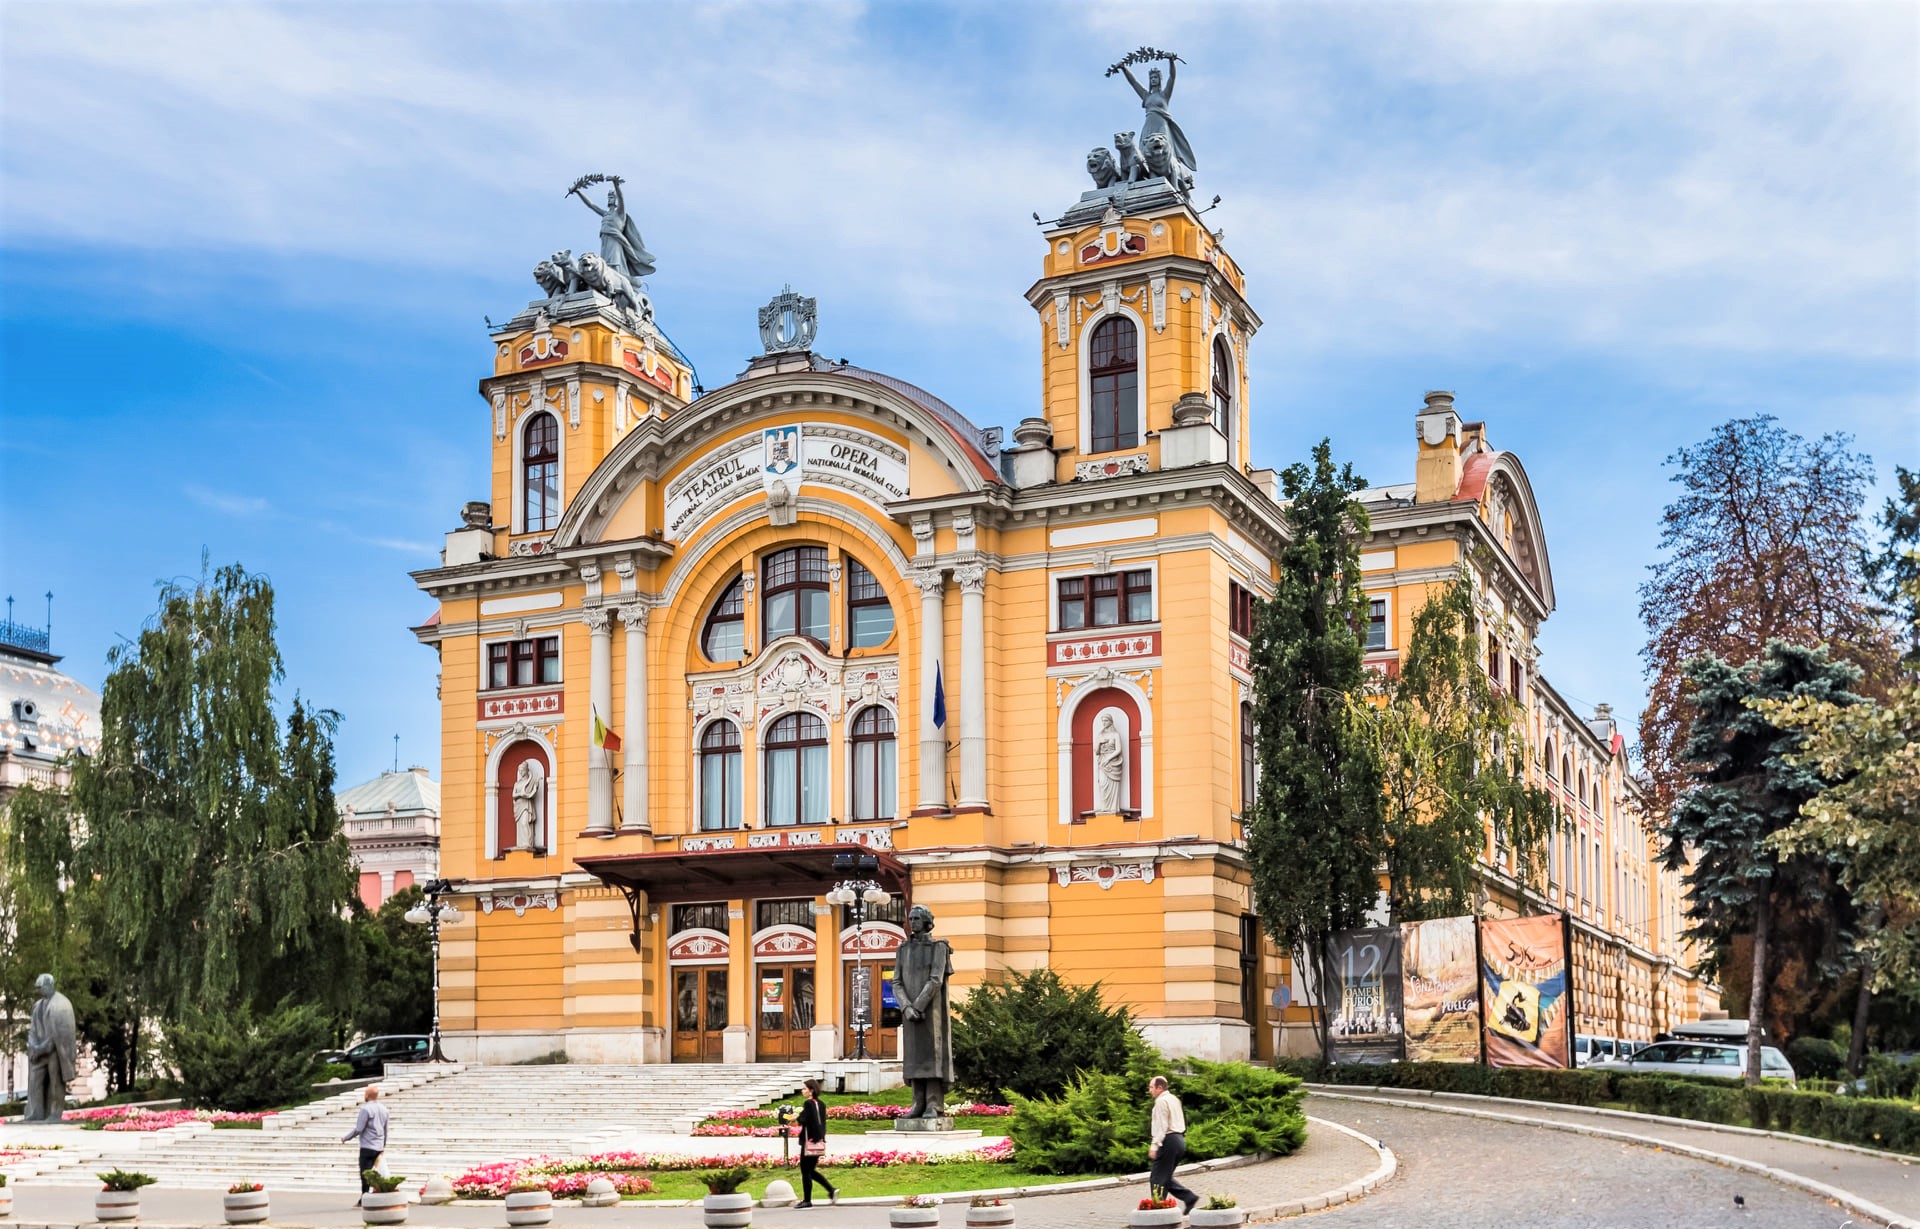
{"x": 1889, "y": 1077}
{"x": 1816, "y": 1058}
{"x": 1716, "y": 1101}
{"x": 1032, "y": 1033}
{"x": 1100, "y": 1123}
{"x": 1866, "y": 1121}
{"x": 1524, "y": 1083}
{"x": 228, "y": 1060}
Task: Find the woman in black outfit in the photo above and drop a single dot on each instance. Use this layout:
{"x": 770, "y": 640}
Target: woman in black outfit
{"x": 813, "y": 1144}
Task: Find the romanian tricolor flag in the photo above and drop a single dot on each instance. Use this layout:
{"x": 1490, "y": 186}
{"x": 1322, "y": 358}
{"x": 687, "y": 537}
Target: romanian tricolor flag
{"x": 602, "y": 736}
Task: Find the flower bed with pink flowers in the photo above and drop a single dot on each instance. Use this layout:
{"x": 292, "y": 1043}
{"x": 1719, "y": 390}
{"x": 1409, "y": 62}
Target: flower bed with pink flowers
{"x": 570, "y": 1174}
{"x": 133, "y": 1118}
{"x": 761, "y": 1124}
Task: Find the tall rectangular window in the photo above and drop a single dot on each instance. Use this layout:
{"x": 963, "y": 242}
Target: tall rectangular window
{"x": 1108, "y": 600}
{"x": 1113, "y": 375}
{"x": 1376, "y": 624}
{"x": 1240, "y": 610}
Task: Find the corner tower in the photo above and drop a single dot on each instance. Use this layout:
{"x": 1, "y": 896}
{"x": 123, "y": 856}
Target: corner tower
{"x": 1144, "y": 322}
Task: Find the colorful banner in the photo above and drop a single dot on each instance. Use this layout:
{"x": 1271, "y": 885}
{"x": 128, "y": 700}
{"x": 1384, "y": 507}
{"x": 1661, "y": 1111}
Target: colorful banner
{"x": 1363, "y": 995}
{"x": 773, "y": 994}
{"x": 1440, "y": 990}
{"x": 1524, "y": 983}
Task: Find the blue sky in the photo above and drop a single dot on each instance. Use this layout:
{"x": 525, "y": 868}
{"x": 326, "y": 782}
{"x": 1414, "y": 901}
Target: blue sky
{"x": 245, "y": 253}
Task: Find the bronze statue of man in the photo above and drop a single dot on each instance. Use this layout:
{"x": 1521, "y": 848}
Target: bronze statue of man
{"x": 51, "y": 1045}
{"x": 922, "y": 968}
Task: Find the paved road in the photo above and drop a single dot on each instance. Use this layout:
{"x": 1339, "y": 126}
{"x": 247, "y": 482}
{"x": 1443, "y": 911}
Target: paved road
{"x": 1464, "y": 1173}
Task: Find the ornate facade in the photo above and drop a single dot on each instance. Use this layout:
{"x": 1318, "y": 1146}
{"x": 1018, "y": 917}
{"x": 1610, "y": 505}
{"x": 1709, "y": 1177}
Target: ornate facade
{"x": 393, "y": 828}
{"x": 699, "y": 643}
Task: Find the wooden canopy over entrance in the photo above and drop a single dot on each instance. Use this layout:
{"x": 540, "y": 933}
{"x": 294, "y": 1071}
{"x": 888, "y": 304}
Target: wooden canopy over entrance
{"x": 735, "y": 874}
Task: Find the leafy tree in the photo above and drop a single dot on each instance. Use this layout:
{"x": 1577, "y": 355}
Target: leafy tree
{"x": 1033, "y": 1032}
{"x": 217, "y": 867}
{"x": 394, "y": 959}
{"x": 1747, "y": 786}
{"x": 1764, "y": 542}
{"x": 228, "y": 1059}
{"x": 1894, "y": 574}
{"x": 1452, "y": 753}
{"x": 1316, "y": 840}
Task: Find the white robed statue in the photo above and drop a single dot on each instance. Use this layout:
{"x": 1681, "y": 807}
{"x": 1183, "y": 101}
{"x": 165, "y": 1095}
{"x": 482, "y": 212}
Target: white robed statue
{"x": 620, "y": 244}
{"x": 1109, "y": 767}
{"x": 528, "y": 785}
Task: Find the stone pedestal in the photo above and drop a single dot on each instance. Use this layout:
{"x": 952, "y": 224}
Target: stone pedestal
{"x": 923, "y": 1126}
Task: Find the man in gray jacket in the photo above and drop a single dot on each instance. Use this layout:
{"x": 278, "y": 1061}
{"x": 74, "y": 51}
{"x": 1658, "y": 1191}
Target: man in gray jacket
{"x": 370, "y": 1128}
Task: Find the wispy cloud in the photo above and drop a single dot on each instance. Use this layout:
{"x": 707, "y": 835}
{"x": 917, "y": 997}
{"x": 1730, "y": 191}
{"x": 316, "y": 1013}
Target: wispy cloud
{"x": 228, "y": 503}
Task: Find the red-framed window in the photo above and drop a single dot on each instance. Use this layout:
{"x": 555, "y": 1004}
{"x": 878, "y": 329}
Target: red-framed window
{"x": 720, "y": 777}
{"x": 1223, "y": 384}
{"x": 1241, "y": 606}
{"x": 869, "y": 614}
{"x": 875, "y": 771}
{"x": 796, "y": 785}
{"x": 540, "y": 473}
{"x": 1108, "y": 600}
{"x": 724, "y": 638}
{"x": 523, "y": 663}
{"x": 794, "y": 595}
{"x": 1113, "y": 368}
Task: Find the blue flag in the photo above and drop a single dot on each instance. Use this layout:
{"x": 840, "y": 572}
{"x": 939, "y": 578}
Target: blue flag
{"x": 939, "y": 698}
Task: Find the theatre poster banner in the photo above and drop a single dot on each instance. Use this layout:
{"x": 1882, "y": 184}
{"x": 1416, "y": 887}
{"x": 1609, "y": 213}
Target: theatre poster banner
{"x": 1363, "y": 999}
{"x": 1440, "y": 990}
{"x": 1524, "y": 984}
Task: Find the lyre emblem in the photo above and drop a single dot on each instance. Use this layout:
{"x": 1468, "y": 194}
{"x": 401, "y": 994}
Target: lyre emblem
{"x": 788, "y": 323}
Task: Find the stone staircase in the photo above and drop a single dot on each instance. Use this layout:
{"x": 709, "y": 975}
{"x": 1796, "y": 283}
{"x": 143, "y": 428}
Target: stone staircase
{"x": 450, "y": 1117}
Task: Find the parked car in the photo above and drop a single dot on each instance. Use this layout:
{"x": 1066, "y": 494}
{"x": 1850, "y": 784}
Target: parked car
{"x": 1715, "y": 1058}
{"x": 1589, "y": 1050}
{"x": 370, "y": 1057}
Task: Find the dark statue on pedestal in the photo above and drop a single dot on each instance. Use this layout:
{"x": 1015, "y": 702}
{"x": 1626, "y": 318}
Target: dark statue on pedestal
{"x": 922, "y": 968}
{"x": 51, "y": 1045}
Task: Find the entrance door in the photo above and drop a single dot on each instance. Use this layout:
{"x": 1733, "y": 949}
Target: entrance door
{"x": 785, "y": 1002}
{"x": 882, "y": 1012}
{"x": 699, "y": 1014}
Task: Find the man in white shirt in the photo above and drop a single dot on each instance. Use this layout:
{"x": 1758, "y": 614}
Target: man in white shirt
{"x": 370, "y": 1128}
{"x": 1168, "y": 1143}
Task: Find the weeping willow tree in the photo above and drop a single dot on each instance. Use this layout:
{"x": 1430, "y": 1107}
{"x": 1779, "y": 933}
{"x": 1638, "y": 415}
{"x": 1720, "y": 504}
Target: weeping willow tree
{"x": 1452, "y": 754}
{"x": 202, "y": 835}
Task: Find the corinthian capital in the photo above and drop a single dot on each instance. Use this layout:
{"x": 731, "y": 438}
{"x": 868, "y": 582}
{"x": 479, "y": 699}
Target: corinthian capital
{"x": 599, "y": 619}
{"x": 633, "y": 615}
{"x": 930, "y": 580}
{"x": 971, "y": 577}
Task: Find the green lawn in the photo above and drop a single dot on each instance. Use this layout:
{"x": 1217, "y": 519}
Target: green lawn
{"x": 892, "y": 1180}
{"x": 860, "y": 1126}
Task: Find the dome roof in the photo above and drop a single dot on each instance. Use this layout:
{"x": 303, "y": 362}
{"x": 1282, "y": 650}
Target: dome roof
{"x": 44, "y": 713}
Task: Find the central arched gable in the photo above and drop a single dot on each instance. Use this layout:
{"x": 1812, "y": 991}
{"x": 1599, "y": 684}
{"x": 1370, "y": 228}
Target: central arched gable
{"x": 868, "y": 435}
{"x": 1499, "y": 484}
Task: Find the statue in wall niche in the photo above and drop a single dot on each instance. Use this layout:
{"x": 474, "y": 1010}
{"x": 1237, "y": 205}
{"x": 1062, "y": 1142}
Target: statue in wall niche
{"x": 51, "y": 1046}
{"x": 528, "y": 789}
{"x": 922, "y": 968}
{"x": 1109, "y": 767}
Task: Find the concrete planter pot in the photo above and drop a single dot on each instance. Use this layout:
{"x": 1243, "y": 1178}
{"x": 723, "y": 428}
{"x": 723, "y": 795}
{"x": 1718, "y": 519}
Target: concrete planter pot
{"x": 389, "y": 1208}
{"x": 600, "y": 1193}
{"x": 1000, "y": 1215}
{"x": 6, "y": 1201}
{"x": 438, "y": 1190}
{"x": 1217, "y": 1218}
{"x": 733, "y": 1211}
{"x": 913, "y": 1218}
{"x": 1148, "y": 1218}
{"x": 245, "y": 1207}
{"x": 530, "y": 1208}
{"x": 116, "y": 1205}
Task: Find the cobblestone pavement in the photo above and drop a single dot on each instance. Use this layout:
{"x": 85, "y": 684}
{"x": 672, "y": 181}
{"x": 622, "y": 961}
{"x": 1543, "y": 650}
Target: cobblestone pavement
{"x": 1466, "y": 1173}
{"x": 1894, "y": 1185}
{"x": 1329, "y": 1160}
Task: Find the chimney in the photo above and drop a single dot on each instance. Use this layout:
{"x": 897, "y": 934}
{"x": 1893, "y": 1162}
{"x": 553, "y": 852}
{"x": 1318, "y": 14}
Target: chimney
{"x": 1436, "y": 474}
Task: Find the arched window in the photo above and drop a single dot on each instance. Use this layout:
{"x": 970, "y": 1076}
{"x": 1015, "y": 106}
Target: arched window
{"x": 720, "y": 777}
{"x": 796, "y": 779}
{"x": 1550, "y": 760}
{"x": 874, "y": 770}
{"x": 795, "y": 587}
{"x": 1113, "y": 367}
{"x": 540, "y": 474}
{"x": 869, "y": 614}
{"x": 1581, "y": 792}
{"x": 1248, "y": 764}
{"x": 1224, "y": 379}
{"x": 725, "y": 636}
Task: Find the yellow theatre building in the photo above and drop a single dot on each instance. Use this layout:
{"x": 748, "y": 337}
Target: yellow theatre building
{"x": 819, "y": 610}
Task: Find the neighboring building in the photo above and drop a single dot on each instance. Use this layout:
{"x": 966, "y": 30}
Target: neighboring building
{"x": 818, "y": 609}
{"x": 393, "y": 826}
{"x": 44, "y": 714}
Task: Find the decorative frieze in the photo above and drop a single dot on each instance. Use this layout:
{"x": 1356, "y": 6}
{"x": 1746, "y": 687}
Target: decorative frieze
{"x": 1111, "y": 467}
{"x": 523, "y": 547}
{"x": 520, "y": 902}
{"x": 699, "y": 945}
{"x": 521, "y": 705}
{"x": 1105, "y": 874}
{"x": 1104, "y": 648}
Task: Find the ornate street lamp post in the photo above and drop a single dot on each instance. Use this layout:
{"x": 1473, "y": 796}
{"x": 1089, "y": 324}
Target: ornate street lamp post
{"x": 855, "y": 894}
{"x": 433, "y": 913}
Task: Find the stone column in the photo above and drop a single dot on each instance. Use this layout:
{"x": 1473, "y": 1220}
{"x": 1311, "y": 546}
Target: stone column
{"x": 599, "y": 621}
{"x": 633, "y": 783}
{"x": 933, "y": 739}
{"x": 972, "y": 579}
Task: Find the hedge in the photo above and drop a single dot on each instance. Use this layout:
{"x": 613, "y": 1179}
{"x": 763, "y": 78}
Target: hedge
{"x": 1868, "y": 1122}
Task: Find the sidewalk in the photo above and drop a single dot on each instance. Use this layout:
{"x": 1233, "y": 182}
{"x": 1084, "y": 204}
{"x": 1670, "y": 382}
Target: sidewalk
{"x": 1330, "y": 1160}
{"x": 1892, "y": 1184}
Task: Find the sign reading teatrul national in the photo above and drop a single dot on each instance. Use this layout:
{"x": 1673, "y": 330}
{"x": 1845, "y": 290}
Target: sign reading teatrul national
{"x": 793, "y": 455}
